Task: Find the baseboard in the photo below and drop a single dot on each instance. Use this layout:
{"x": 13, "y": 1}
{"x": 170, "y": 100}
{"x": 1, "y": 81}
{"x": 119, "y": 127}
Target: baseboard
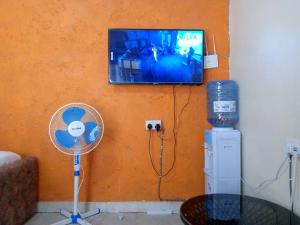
{"x": 114, "y": 207}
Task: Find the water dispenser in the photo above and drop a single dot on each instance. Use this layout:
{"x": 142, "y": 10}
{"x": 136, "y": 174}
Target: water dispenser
{"x": 222, "y": 143}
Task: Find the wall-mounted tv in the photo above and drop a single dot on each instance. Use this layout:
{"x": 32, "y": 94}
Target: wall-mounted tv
{"x": 155, "y": 56}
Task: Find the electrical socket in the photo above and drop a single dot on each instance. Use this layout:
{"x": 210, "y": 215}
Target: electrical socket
{"x": 153, "y": 123}
{"x": 293, "y": 147}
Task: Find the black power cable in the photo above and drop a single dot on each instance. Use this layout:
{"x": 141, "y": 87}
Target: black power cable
{"x": 150, "y": 155}
{"x": 176, "y": 124}
{"x": 290, "y": 181}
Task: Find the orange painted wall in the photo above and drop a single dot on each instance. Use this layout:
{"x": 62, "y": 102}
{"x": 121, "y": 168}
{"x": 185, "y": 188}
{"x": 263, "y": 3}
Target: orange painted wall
{"x": 55, "y": 52}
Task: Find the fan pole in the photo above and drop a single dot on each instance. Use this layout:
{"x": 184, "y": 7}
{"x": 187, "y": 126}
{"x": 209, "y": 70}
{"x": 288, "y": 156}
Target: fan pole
{"x": 76, "y": 183}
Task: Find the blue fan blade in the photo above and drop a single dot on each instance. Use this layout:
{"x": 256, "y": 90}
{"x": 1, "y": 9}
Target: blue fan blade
{"x": 91, "y": 132}
{"x": 64, "y": 139}
{"x": 73, "y": 114}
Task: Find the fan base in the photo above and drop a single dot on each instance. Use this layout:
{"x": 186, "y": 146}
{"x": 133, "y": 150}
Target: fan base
{"x": 76, "y": 219}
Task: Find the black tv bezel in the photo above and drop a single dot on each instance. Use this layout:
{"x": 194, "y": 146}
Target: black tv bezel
{"x": 154, "y": 83}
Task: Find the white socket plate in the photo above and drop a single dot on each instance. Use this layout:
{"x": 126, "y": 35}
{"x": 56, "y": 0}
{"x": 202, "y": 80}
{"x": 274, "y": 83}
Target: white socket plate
{"x": 153, "y": 123}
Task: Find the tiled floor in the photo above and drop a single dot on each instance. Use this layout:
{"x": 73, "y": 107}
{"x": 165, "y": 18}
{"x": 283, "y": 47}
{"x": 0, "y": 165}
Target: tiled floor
{"x": 111, "y": 219}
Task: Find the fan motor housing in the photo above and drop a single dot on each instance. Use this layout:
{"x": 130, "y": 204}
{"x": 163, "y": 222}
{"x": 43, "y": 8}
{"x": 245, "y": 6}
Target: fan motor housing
{"x": 76, "y": 128}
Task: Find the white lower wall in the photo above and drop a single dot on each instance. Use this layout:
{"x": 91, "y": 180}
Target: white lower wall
{"x": 114, "y": 207}
{"x": 265, "y": 61}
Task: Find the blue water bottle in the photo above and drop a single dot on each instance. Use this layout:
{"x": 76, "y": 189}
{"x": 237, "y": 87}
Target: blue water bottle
{"x": 222, "y": 103}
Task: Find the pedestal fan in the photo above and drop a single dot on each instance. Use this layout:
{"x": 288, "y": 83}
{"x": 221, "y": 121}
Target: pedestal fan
{"x": 76, "y": 129}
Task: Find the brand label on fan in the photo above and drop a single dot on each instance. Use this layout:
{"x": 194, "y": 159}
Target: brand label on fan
{"x": 224, "y": 106}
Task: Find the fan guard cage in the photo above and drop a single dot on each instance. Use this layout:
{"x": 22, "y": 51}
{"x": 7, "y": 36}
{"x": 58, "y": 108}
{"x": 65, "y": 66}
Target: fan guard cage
{"x": 81, "y": 147}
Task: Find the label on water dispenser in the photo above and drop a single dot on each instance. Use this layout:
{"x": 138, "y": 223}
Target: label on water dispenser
{"x": 224, "y": 106}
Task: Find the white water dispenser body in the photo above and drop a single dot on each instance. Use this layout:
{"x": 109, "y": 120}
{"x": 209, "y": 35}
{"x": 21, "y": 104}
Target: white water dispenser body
{"x": 222, "y": 161}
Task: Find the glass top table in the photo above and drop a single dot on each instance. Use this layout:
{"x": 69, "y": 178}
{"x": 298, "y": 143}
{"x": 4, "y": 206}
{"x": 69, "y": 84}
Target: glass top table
{"x": 227, "y": 209}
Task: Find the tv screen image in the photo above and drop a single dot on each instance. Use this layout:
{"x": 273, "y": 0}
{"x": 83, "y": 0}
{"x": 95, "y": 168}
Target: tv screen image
{"x": 155, "y": 56}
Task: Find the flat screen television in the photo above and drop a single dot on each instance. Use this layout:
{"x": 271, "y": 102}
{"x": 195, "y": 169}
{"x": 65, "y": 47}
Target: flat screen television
{"x": 155, "y": 56}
